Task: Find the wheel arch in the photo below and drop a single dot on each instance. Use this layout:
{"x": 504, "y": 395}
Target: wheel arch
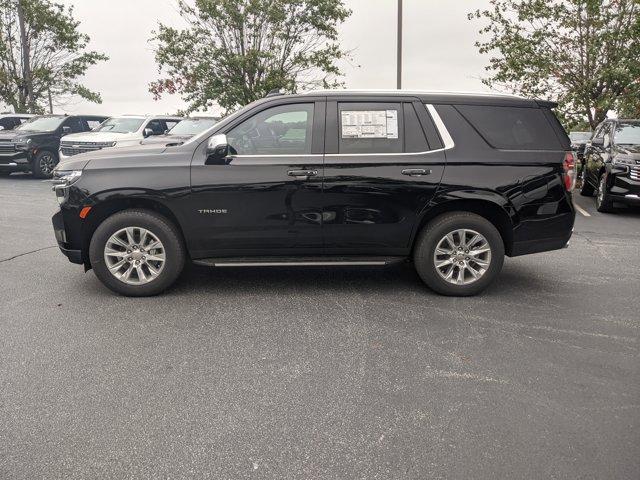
{"x": 105, "y": 209}
{"x": 488, "y": 209}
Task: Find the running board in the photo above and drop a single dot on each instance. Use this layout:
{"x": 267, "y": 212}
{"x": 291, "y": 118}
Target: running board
{"x": 298, "y": 261}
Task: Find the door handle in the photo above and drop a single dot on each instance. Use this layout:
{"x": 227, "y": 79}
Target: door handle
{"x": 416, "y": 172}
{"x": 302, "y": 173}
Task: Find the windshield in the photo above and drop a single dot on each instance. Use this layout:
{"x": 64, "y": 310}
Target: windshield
{"x": 628, "y": 134}
{"x": 120, "y": 125}
{"x": 192, "y": 126}
{"x": 41, "y": 124}
{"x": 580, "y": 136}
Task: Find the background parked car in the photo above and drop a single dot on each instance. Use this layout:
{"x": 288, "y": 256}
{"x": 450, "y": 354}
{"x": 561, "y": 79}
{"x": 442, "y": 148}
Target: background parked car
{"x": 33, "y": 146}
{"x": 9, "y": 121}
{"x": 579, "y": 141}
{"x": 117, "y": 131}
{"x": 183, "y": 131}
{"x": 612, "y": 164}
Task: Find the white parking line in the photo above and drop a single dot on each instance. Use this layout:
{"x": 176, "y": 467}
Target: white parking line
{"x": 581, "y": 210}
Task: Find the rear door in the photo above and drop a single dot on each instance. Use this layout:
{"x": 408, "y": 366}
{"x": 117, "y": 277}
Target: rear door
{"x": 384, "y": 161}
{"x": 266, "y": 197}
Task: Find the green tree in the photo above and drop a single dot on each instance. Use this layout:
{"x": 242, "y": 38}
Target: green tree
{"x": 55, "y": 52}
{"x": 585, "y": 54}
{"x": 235, "y": 51}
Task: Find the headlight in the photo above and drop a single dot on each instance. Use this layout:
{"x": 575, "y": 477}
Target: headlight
{"x": 65, "y": 178}
{"x": 62, "y": 179}
{"x": 22, "y": 143}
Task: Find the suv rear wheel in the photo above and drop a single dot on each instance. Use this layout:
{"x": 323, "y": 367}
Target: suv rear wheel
{"x": 459, "y": 254}
{"x": 586, "y": 190}
{"x": 137, "y": 253}
{"x": 43, "y": 164}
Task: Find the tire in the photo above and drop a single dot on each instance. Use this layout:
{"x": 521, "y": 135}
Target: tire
{"x": 603, "y": 202}
{"x": 133, "y": 222}
{"x": 586, "y": 190}
{"x": 43, "y": 163}
{"x": 435, "y": 232}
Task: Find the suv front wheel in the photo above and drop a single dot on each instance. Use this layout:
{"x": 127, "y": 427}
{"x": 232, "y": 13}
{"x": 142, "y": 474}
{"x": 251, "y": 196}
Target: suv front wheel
{"x": 603, "y": 202}
{"x": 137, "y": 253}
{"x": 459, "y": 254}
{"x": 43, "y": 164}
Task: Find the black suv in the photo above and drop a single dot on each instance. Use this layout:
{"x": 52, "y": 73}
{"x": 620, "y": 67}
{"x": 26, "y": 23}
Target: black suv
{"x": 612, "y": 164}
{"x": 33, "y": 146}
{"x": 452, "y": 181}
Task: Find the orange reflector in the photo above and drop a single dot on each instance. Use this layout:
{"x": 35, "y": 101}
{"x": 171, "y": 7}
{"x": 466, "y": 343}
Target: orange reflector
{"x": 84, "y": 212}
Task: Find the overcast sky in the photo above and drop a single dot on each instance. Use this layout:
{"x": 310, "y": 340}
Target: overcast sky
{"x": 439, "y": 51}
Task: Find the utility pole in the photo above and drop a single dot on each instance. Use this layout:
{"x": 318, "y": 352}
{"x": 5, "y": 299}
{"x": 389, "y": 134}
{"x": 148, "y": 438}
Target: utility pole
{"x": 399, "y": 53}
{"x": 26, "y": 66}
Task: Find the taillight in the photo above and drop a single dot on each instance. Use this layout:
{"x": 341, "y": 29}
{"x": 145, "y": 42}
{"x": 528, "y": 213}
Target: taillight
{"x": 569, "y": 167}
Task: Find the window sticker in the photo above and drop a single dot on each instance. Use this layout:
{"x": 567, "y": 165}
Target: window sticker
{"x": 369, "y": 123}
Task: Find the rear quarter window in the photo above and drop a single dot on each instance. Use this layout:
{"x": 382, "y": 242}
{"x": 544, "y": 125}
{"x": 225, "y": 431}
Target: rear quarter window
{"x": 512, "y": 128}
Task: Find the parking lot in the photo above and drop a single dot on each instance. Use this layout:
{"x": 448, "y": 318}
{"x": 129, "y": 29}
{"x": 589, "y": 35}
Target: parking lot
{"x": 319, "y": 373}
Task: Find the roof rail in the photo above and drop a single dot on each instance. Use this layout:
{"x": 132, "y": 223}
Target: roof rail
{"x": 274, "y": 93}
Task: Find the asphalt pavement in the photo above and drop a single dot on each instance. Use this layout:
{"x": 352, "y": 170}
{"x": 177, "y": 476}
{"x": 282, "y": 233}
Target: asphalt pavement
{"x": 319, "y": 373}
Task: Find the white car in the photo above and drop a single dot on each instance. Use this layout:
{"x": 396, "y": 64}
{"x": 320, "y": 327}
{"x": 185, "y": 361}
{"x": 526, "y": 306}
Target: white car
{"x": 126, "y": 130}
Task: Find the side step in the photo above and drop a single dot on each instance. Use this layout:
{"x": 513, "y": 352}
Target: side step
{"x": 298, "y": 261}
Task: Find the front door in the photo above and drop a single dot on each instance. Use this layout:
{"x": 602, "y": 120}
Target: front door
{"x": 265, "y": 197}
{"x": 383, "y": 163}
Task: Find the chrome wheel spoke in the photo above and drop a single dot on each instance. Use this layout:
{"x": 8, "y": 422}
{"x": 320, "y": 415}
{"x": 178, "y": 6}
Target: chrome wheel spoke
{"x": 134, "y": 255}
{"x": 462, "y": 256}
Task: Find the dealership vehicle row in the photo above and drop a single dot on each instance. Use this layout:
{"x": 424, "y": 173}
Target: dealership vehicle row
{"x": 37, "y": 144}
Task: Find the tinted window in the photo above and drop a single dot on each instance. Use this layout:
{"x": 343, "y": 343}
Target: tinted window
{"x": 76, "y": 125}
{"x": 157, "y": 126}
{"x": 414, "y": 139}
{"x": 6, "y": 123}
{"x": 370, "y": 128}
{"x": 512, "y": 128}
{"x": 282, "y": 130}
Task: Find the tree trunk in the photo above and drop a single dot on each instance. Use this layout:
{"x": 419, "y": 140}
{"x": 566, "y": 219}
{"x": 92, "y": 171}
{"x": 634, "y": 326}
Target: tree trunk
{"x": 26, "y": 64}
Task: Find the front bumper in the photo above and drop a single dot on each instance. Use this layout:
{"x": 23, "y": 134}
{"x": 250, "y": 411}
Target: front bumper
{"x": 64, "y": 239}
{"x": 624, "y": 184}
{"x": 14, "y": 162}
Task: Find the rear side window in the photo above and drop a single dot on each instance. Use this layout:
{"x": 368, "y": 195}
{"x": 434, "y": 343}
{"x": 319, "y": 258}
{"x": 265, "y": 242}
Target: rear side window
{"x": 370, "y": 128}
{"x": 512, "y": 128}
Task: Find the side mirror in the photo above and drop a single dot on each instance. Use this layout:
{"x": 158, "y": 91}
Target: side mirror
{"x": 66, "y": 130}
{"x": 217, "y": 149}
{"x": 147, "y": 132}
{"x": 1, "y": 127}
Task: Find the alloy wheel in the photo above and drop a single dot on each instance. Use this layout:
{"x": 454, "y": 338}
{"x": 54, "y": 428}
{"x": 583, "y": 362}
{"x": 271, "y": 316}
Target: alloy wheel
{"x": 462, "y": 256}
{"x": 47, "y": 164}
{"x": 134, "y": 255}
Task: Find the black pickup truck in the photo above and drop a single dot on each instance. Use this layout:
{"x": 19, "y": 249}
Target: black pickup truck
{"x": 452, "y": 182}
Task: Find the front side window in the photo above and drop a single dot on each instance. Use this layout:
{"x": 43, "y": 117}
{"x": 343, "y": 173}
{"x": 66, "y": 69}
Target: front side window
{"x": 627, "y": 134}
{"x": 370, "y": 128}
{"x": 281, "y": 130}
{"x": 75, "y": 124}
{"x": 192, "y": 126}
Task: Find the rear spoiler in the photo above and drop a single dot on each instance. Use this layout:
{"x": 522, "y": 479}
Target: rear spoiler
{"x": 546, "y": 104}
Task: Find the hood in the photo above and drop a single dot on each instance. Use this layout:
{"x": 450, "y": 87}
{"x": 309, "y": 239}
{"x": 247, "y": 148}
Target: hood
{"x": 165, "y": 139}
{"x": 97, "y": 137}
{"x": 108, "y": 156}
{"x": 632, "y": 150}
{"x": 9, "y": 135}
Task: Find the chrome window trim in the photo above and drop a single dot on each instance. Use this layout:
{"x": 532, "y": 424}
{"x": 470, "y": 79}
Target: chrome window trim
{"x": 441, "y": 127}
{"x": 447, "y": 141}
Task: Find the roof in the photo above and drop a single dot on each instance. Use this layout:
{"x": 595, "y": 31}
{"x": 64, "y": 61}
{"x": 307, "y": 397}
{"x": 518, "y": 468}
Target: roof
{"x": 436, "y": 97}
